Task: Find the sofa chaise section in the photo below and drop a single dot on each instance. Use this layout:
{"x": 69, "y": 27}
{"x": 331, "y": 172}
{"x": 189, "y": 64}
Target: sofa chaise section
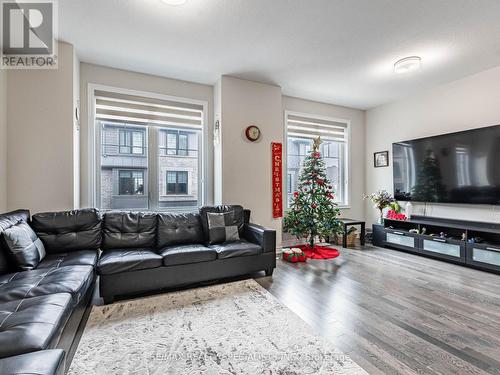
{"x": 32, "y": 324}
{"x": 45, "y": 362}
{"x": 41, "y": 309}
{"x": 75, "y": 280}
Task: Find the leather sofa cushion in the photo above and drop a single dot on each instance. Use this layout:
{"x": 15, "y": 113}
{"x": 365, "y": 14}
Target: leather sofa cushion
{"x": 6, "y": 221}
{"x": 44, "y": 362}
{"x": 75, "y": 258}
{"x": 126, "y": 260}
{"x": 185, "y": 254}
{"x": 23, "y": 246}
{"x": 32, "y": 324}
{"x": 236, "y": 249}
{"x": 75, "y": 280}
{"x": 66, "y": 231}
{"x": 238, "y": 217}
{"x": 175, "y": 229}
{"x": 122, "y": 230}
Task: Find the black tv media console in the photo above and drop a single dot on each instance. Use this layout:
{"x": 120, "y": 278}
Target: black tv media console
{"x": 474, "y": 244}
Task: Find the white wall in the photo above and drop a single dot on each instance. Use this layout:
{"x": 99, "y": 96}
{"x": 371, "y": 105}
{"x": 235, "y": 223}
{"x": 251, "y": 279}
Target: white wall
{"x": 3, "y": 140}
{"x": 218, "y": 146}
{"x": 246, "y": 166}
{"x": 76, "y": 130}
{"x": 40, "y": 168}
{"x": 356, "y": 150}
{"x": 95, "y": 74}
{"x": 468, "y": 103}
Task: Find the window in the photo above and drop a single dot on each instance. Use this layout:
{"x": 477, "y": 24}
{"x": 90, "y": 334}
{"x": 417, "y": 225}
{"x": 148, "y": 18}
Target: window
{"x": 123, "y": 139}
{"x": 182, "y": 144}
{"x": 151, "y": 152}
{"x": 131, "y": 142}
{"x": 301, "y": 132}
{"x": 171, "y": 143}
{"x": 177, "y": 143}
{"x": 130, "y": 182}
{"x": 177, "y": 182}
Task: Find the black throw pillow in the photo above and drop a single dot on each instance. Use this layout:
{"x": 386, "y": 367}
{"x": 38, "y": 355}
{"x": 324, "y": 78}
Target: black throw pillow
{"x": 221, "y": 227}
{"x": 23, "y": 245}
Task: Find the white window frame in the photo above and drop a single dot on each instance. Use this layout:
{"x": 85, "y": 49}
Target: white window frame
{"x": 347, "y": 156}
{"x": 94, "y": 147}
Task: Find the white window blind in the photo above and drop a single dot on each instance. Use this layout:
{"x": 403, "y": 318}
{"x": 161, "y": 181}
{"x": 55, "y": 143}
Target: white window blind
{"x": 302, "y": 129}
{"x": 310, "y": 128}
{"x": 112, "y": 106}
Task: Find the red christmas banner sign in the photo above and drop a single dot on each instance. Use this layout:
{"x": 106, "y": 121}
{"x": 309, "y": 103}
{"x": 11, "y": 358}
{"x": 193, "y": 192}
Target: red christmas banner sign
{"x": 277, "y": 179}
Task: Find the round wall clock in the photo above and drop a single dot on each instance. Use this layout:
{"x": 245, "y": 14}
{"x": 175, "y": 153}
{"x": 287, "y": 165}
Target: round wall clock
{"x": 252, "y": 133}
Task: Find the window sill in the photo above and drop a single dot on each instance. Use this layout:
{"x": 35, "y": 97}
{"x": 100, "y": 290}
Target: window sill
{"x": 179, "y": 156}
{"x": 138, "y": 196}
{"x": 178, "y": 196}
{"x": 125, "y": 155}
{"x": 344, "y": 207}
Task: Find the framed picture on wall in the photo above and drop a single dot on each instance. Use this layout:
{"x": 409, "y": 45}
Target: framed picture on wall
{"x": 381, "y": 159}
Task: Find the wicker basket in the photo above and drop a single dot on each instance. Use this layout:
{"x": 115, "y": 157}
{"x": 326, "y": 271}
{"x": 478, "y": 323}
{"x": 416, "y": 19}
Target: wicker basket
{"x": 351, "y": 239}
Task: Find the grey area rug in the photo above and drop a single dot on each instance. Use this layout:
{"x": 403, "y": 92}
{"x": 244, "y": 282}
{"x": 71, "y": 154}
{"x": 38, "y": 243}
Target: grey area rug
{"x": 235, "y": 328}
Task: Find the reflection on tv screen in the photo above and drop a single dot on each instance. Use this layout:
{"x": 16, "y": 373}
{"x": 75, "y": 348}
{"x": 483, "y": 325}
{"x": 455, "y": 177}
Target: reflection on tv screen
{"x": 461, "y": 167}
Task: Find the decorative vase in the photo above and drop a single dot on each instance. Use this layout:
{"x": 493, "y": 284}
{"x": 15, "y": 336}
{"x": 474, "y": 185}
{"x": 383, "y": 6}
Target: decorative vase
{"x": 381, "y": 217}
{"x": 408, "y": 210}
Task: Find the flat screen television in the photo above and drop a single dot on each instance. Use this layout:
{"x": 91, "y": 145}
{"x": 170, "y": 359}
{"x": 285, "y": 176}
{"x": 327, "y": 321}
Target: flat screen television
{"x": 462, "y": 167}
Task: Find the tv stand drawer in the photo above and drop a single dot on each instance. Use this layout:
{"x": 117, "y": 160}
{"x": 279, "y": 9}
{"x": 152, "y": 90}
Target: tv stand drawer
{"x": 400, "y": 239}
{"x": 484, "y": 255}
{"x": 442, "y": 247}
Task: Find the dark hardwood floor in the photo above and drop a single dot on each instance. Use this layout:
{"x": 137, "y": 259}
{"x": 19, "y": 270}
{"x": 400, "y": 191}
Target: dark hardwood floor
{"x": 397, "y": 313}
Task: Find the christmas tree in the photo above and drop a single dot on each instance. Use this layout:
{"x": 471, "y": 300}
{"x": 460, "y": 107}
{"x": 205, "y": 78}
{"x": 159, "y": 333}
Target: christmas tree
{"x": 313, "y": 212}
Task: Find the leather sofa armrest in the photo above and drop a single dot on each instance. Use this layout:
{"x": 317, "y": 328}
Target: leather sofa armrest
{"x": 259, "y": 235}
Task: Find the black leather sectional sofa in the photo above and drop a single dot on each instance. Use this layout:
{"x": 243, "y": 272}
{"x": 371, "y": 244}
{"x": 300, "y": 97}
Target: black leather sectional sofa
{"x": 132, "y": 253}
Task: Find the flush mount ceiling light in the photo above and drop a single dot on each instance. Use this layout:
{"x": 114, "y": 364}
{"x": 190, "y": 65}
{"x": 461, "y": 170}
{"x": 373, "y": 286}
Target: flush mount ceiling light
{"x": 407, "y": 65}
{"x": 174, "y": 2}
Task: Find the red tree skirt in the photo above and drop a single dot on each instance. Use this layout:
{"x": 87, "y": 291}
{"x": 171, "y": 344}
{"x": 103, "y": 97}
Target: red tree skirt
{"x": 319, "y": 252}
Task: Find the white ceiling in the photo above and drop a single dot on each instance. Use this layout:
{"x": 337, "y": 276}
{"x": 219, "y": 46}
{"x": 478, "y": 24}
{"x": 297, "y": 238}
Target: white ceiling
{"x": 334, "y": 51}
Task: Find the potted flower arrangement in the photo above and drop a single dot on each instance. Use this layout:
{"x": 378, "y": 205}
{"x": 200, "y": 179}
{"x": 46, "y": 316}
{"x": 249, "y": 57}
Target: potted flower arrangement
{"x": 395, "y": 212}
{"x": 381, "y": 199}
